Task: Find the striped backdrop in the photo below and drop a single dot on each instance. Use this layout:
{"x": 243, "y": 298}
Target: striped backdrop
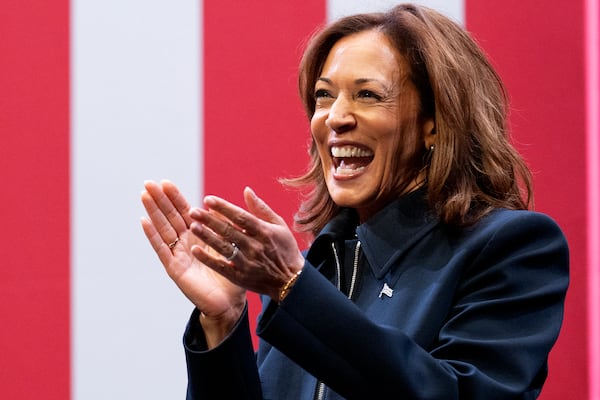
{"x": 97, "y": 96}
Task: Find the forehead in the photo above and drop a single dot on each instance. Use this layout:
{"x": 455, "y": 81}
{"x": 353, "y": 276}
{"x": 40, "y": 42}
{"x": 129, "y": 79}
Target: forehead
{"x": 368, "y": 54}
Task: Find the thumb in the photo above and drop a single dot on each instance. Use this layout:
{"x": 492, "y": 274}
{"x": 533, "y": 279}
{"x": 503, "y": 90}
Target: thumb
{"x": 259, "y": 208}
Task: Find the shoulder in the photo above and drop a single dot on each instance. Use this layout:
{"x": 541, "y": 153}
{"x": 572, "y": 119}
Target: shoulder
{"x": 517, "y": 238}
{"x": 507, "y": 224}
{"x": 511, "y": 238}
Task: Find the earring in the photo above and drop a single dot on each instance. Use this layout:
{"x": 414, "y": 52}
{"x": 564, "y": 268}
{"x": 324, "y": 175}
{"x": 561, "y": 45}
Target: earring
{"x": 431, "y": 148}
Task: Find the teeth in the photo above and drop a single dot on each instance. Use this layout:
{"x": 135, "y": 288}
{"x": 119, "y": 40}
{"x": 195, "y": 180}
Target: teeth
{"x": 347, "y": 171}
{"x": 350, "y": 151}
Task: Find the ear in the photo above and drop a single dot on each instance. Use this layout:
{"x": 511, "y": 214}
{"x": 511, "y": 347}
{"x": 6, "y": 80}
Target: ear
{"x": 429, "y": 133}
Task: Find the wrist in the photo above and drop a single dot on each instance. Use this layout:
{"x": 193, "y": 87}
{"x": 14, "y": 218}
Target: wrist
{"x": 285, "y": 289}
{"x": 216, "y": 329}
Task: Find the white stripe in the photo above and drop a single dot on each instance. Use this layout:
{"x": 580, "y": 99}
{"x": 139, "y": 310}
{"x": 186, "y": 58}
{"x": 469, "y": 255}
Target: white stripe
{"x": 337, "y": 8}
{"x": 135, "y": 116}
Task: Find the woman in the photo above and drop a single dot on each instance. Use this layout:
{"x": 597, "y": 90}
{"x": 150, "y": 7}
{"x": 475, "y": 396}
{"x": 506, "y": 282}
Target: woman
{"x": 427, "y": 277}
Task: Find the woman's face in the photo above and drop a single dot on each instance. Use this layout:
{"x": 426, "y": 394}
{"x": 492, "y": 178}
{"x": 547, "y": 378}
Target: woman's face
{"x": 358, "y": 116}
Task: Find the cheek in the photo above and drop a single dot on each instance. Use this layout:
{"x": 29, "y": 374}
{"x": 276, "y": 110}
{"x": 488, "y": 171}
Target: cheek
{"x": 323, "y": 153}
{"x": 318, "y": 130}
{"x": 317, "y": 122}
{"x": 314, "y": 129}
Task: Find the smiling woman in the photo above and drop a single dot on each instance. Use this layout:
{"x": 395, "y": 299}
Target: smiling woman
{"x": 426, "y": 277}
{"x": 364, "y": 106}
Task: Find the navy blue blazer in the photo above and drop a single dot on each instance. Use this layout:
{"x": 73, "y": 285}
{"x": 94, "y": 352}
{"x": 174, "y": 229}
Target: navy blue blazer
{"x": 468, "y": 313}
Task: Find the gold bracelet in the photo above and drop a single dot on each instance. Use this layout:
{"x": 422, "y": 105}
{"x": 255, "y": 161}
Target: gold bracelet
{"x": 288, "y": 285}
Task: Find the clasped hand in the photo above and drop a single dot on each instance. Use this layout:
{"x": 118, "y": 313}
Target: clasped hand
{"x": 214, "y": 254}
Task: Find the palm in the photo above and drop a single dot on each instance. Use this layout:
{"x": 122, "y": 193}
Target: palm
{"x": 168, "y": 219}
{"x": 210, "y": 291}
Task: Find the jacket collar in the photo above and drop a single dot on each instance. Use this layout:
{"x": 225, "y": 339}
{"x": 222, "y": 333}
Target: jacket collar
{"x": 341, "y": 227}
{"x": 385, "y": 237}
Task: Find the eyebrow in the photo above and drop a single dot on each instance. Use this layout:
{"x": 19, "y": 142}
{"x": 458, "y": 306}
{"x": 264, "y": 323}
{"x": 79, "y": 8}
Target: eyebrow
{"x": 356, "y": 81}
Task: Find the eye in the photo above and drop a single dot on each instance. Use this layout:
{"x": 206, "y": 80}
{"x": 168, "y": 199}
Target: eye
{"x": 368, "y": 94}
{"x": 321, "y": 93}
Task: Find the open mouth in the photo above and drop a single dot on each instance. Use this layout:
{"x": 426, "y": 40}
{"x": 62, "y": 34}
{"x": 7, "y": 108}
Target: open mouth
{"x": 349, "y": 160}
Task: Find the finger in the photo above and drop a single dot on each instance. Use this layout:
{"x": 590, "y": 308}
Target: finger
{"x": 159, "y": 221}
{"x": 157, "y": 242}
{"x": 166, "y": 206}
{"x": 214, "y": 261}
{"x": 224, "y": 246}
{"x": 178, "y": 200}
{"x": 259, "y": 207}
{"x": 241, "y": 218}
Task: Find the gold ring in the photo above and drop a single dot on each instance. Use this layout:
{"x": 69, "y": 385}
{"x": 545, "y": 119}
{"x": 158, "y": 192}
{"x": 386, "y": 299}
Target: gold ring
{"x": 173, "y": 243}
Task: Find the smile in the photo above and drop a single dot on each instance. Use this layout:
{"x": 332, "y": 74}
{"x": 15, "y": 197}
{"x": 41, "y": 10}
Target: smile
{"x": 349, "y": 160}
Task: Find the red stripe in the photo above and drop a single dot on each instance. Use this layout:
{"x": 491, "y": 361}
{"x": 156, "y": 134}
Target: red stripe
{"x": 592, "y": 46}
{"x": 539, "y": 52}
{"x": 34, "y": 168}
{"x": 254, "y": 127}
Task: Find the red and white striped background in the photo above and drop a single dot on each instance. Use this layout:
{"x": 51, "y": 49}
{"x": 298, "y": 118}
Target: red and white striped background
{"x": 96, "y": 97}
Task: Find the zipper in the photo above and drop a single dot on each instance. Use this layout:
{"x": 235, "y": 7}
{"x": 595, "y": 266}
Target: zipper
{"x": 354, "y": 270}
{"x": 320, "y": 391}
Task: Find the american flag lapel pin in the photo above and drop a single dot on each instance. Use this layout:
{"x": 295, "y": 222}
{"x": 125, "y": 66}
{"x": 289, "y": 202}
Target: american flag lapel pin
{"x": 388, "y": 291}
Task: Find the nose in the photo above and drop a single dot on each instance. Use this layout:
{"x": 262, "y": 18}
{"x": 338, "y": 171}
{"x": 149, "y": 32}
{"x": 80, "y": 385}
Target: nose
{"x": 341, "y": 116}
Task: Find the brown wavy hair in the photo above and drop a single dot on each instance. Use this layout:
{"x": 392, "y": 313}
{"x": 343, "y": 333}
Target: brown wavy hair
{"x": 473, "y": 168}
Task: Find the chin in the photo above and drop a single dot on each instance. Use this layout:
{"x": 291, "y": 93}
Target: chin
{"x": 350, "y": 200}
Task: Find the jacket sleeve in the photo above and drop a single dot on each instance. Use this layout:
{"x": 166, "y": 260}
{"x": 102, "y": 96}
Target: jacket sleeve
{"x": 226, "y": 372}
{"x": 494, "y": 343}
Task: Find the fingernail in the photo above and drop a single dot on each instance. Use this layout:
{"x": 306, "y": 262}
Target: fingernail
{"x": 196, "y": 227}
{"x": 210, "y": 201}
